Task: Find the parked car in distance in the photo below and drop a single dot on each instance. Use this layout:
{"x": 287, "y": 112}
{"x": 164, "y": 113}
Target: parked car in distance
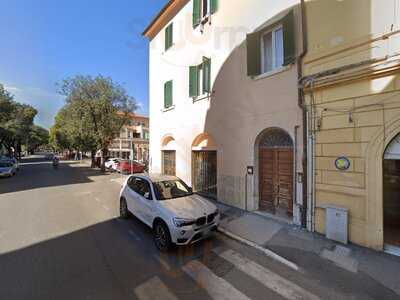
{"x": 16, "y": 162}
{"x": 111, "y": 163}
{"x": 7, "y": 169}
{"x": 168, "y": 206}
{"x": 130, "y": 167}
{"x": 12, "y": 160}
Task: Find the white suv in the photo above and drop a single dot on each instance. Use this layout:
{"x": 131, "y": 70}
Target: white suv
{"x": 169, "y": 207}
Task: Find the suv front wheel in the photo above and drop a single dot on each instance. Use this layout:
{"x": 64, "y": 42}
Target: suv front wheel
{"x": 162, "y": 237}
{"x": 123, "y": 208}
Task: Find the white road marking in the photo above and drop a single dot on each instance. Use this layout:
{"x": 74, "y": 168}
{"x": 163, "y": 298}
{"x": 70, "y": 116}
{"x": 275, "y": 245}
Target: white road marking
{"x": 217, "y": 287}
{"x": 271, "y": 280}
{"x": 267, "y": 252}
{"x": 154, "y": 288}
{"x": 134, "y": 235}
{"x": 162, "y": 261}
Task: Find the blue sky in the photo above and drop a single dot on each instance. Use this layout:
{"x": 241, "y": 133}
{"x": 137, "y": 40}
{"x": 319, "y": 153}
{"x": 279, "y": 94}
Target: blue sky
{"x": 44, "y": 41}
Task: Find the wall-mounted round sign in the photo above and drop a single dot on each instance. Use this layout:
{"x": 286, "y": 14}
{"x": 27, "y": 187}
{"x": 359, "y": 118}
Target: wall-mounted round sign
{"x": 342, "y": 163}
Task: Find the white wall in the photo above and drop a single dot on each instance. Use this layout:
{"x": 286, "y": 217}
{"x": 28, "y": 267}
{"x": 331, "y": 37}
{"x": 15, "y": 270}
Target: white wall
{"x": 239, "y": 110}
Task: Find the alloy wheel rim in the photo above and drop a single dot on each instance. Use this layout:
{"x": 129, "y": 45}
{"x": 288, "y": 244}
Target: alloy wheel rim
{"x": 160, "y": 237}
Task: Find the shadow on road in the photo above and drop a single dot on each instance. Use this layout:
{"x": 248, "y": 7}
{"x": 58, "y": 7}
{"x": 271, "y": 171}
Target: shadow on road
{"x": 104, "y": 261}
{"x": 37, "y": 173}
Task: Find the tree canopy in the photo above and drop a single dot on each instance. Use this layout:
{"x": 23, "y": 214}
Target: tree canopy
{"x": 96, "y": 109}
{"x": 16, "y": 125}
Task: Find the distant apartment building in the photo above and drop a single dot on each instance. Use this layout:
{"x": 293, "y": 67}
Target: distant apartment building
{"x": 132, "y": 140}
{"x": 224, "y": 101}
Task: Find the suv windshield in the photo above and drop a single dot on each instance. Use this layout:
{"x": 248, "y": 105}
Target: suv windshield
{"x": 171, "y": 189}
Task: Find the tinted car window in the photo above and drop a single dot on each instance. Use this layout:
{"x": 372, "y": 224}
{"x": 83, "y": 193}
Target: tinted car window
{"x": 140, "y": 186}
{"x": 171, "y": 189}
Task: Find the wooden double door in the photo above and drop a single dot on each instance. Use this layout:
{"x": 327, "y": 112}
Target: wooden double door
{"x": 276, "y": 180}
{"x": 169, "y": 162}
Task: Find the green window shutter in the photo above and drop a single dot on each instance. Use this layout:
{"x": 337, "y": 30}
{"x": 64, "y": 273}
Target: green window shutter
{"x": 253, "y": 54}
{"x": 168, "y": 88}
{"x": 193, "y": 81}
{"x": 196, "y": 12}
{"x": 166, "y": 37}
{"x": 207, "y": 75}
{"x": 214, "y": 6}
{"x": 169, "y": 36}
{"x": 289, "y": 39}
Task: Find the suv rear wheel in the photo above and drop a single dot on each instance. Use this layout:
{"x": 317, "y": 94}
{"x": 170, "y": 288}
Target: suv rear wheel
{"x": 162, "y": 237}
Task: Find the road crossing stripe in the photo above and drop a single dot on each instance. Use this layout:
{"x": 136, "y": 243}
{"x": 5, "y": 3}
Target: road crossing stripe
{"x": 152, "y": 289}
{"x": 217, "y": 287}
{"x": 271, "y": 280}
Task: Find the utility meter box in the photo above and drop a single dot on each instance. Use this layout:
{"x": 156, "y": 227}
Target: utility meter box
{"x": 337, "y": 223}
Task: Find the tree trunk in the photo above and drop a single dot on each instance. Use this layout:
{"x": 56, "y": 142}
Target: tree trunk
{"x": 103, "y": 160}
{"x": 93, "y": 157}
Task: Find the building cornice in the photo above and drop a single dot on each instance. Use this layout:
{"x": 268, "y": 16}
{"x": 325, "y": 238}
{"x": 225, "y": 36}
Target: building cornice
{"x": 167, "y": 13}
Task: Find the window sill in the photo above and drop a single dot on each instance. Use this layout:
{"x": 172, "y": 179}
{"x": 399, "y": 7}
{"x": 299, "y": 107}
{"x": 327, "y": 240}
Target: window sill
{"x": 168, "y": 108}
{"x": 202, "y": 97}
{"x": 272, "y": 73}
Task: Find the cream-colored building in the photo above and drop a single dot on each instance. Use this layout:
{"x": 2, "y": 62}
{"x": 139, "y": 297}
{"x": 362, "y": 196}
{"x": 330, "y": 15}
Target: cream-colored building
{"x": 352, "y": 86}
{"x": 224, "y": 101}
{"x": 132, "y": 140}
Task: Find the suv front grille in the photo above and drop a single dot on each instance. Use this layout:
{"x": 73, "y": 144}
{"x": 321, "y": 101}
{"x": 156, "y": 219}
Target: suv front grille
{"x": 201, "y": 221}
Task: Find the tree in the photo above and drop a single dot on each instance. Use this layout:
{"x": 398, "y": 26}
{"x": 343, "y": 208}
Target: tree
{"x": 38, "y": 136}
{"x": 95, "y": 111}
{"x": 16, "y": 121}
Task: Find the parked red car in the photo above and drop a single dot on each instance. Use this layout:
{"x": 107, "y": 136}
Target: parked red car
{"x": 130, "y": 167}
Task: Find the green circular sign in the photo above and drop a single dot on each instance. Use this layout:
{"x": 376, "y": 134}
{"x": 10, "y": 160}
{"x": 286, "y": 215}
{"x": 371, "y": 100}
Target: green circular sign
{"x": 342, "y": 163}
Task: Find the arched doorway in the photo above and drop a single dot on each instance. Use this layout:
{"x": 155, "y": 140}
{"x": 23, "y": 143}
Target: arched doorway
{"x": 275, "y": 164}
{"x": 168, "y": 156}
{"x": 391, "y": 193}
{"x": 204, "y": 165}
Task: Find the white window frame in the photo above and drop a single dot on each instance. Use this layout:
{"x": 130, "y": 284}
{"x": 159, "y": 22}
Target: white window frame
{"x": 274, "y": 67}
{"x": 205, "y": 16}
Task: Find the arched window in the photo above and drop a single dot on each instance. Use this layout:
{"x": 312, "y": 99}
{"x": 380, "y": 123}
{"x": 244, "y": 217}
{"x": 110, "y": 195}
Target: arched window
{"x": 393, "y": 150}
{"x": 276, "y": 138}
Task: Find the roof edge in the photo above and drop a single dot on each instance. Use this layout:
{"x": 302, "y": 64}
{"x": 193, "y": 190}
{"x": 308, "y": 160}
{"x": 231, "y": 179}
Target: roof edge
{"x": 159, "y": 15}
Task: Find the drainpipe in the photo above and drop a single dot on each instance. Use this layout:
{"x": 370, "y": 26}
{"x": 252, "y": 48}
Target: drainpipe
{"x": 301, "y": 104}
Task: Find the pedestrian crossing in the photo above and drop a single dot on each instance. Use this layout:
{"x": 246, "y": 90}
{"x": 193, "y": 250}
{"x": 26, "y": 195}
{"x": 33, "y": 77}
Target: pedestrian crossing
{"x": 152, "y": 289}
{"x": 268, "y": 278}
{"x": 219, "y": 288}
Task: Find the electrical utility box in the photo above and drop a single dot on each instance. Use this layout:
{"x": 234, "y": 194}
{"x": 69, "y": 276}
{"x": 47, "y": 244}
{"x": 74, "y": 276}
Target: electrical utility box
{"x": 337, "y": 224}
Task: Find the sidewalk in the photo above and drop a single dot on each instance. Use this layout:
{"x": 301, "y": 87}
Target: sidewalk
{"x": 310, "y": 251}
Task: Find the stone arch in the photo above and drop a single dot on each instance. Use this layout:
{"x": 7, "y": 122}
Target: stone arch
{"x": 168, "y": 143}
{"x": 374, "y": 183}
{"x": 204, "y": 141}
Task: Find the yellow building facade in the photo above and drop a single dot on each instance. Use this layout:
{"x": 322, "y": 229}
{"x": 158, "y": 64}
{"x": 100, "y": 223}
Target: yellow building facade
{"x": 351, "y": 86}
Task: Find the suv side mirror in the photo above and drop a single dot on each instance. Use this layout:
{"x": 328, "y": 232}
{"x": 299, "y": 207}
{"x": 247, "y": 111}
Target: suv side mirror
{"x": 147, "y": 196}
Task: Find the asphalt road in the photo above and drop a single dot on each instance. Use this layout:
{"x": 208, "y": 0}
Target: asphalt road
{"x": 60, "y": 238}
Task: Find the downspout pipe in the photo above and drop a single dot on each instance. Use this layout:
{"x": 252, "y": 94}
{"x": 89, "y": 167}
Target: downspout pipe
{"x": 301, "y": 103}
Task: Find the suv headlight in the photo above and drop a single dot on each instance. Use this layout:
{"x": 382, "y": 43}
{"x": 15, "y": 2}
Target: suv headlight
{"x": 181, "y": 222}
